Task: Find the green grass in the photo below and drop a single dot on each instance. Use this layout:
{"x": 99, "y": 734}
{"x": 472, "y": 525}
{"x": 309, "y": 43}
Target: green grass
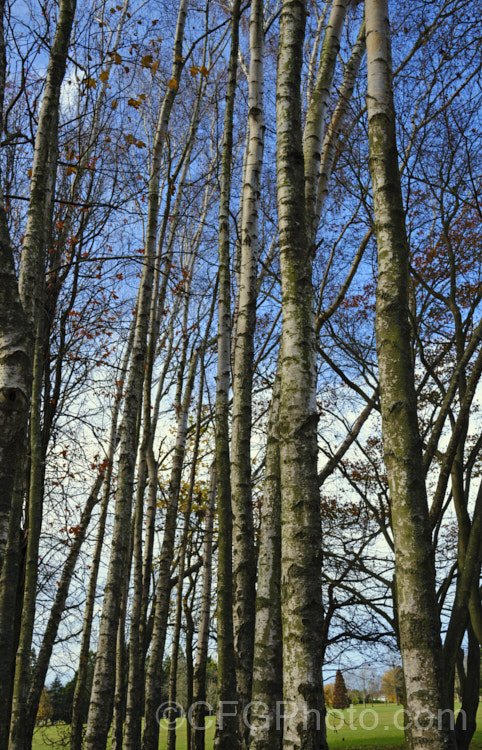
{"x": 56, "y": 737}
{"x": 374, "y": 727}
{"x": 355, "y": 727}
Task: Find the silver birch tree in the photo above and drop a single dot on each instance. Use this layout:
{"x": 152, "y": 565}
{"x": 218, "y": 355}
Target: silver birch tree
{"x": 265, "y": 731}
{"x": 104, "y": 675}
{"x": 416, "y": 603}
{"x": 300, "y": 501}
{"x": 199, "y": 678}
{"x": 32, "y": 289}
{"x": 225, "y": 738}
{"x": 244, "y": 566}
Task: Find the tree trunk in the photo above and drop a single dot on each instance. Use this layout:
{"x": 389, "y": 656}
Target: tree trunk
{"x": 414, "y": 560}
{"x": 118, "y": 709}
{"x": 171, "y": 737}
{"x": 225, "y": 738}
{"x": 10, "y": 599}
{"x": 142, "y": 564}
{"x": 15, "y": 383}
{"x": 332, "y": 135}
{"x": 266, "y": 732}
{"x": 56, "y": 612}
{"x": 300, "y": 499}
{"x": 198, "y": 712}
{"x": 316, "y": 115}
{"x": 31, "y": 289}
{"x": 150, "y": 738}
{"x": 466, "y": 722}
{"x": 97, "y": 726}
{"x": 187, "y": 607}
{"x": 244, "y": 564}
{"x": 78, "y": 719}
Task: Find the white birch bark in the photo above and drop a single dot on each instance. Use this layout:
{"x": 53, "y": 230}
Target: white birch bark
{"x": 244, "y": 566}
{"x": 32, "y": 290}
{"x": 225, "y": 738}
{"x": 316, "y": 115}
{"x": 300, "y": 501}
{"x": 199, "y": 681}
{"x": 268, "y": 667}
{"x": 335, "y": 126}
{"x": 171, "y": 737}
{"x": 104, "y": 675}
{"x": 118, "y": 709}
{"x": 419, "y": 625}
{"x": 142, "y": 572}
{"x": 150, "y": 737}
{"x": 78, "y": 720}
{"x": 15, "y": 381}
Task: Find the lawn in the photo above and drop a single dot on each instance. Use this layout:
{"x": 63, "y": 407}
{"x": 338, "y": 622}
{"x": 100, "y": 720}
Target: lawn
{"x": 356, "y": 727}
{"x": 379, "y": 726}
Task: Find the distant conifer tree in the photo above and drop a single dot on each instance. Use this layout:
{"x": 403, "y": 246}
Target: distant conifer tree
{"x": 340, "y": 694}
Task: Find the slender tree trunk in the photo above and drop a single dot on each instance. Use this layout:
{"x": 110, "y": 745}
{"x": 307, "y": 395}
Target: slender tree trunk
{"x": 172, "y": 713}
{"x": 97, "y": 724}
{"x": 332, "y": 135}
{"x": 9, "y": 602}
{"x": 150, "y": 737}
{"x": 31, "y": 289}
{"x": 266, "y": 733}
{"x": 119, "y": 703}
{"x": 466, "y": 722}
{"x": 171, "y": 737}
{"x": 225, "y": 738}
{"x": 56, "y": 612}
{"x": 317, "y": 110}
{"x": 142, "y": 564}
{"x": 300, "y": 499}
{"x": 15, "y": 385}
{"x": 244, "y": 564}
{"x": 199, "y": 678}
{"x": 187, "y": 606}
{"x": 18, "y": 722}
{"x": 78, "y": 719}
{"x": 419, "y": 624}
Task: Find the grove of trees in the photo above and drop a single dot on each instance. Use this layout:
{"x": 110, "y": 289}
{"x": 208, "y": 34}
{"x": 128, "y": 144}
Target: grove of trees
{"x": 240, "y": 354}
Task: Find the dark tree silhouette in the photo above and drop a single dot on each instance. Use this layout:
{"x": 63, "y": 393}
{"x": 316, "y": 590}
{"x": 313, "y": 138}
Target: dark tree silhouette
{"x": 340, "y": 694}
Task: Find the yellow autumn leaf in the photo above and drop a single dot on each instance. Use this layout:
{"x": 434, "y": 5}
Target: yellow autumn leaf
{"x": 203, "y": 70}
{"x": 154, "y": 67}
{"x": 194, "y": 70}
{"x": 91, "y": 83}
{"x": 179, "y": 58}
{"x": 130, "y": 138}
{"x": 133, "y": 103}
{"x": 173, "y": 84}
{"x": 114, "y": 104}
{"x": 116, "y": 57}
{"x": 104, "y": 76}
{"x": 146, "y": 61}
